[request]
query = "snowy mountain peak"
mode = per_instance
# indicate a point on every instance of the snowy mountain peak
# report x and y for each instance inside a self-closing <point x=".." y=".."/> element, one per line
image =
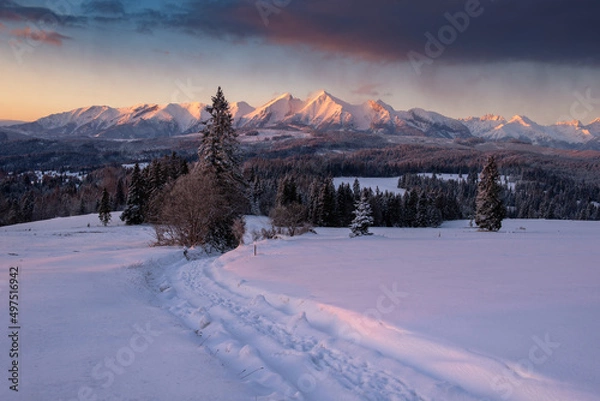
<point x="380" y="106"/>
<point x="240" y="109"/>
<point x="326" y="100"/>
<point x="323" y="111"/>
<point x="285" y="96"/>
<point x="492" y="117"/>
<point x="573" y="123"/>
<point x="320" y="93"/>
<point x="273" y="112"/>
<point x="522" y="120"/>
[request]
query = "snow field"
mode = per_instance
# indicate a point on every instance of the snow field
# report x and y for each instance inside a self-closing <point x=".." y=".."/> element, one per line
<point x="406" y="314"/>
<point x="90" y="327"/>
<point x="384" y="184"/>
<point x="512" y="314"/>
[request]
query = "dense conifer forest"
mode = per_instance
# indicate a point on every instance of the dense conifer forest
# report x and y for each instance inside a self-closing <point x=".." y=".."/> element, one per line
<point x="560" y="185"/>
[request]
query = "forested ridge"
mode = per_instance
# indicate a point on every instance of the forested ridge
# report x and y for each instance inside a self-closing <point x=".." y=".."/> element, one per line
<point x="559" y="185"/>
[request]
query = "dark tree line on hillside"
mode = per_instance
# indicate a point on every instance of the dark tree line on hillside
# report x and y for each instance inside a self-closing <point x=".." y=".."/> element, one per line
<point x="403" y="159"/>
<point x="427" y="201"/>
<point x="25" y="197"/>
<point x="320" y="203"/>
<point x="536" y="194"/>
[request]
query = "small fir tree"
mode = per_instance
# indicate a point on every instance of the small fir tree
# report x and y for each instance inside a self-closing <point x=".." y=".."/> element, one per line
<point x="120" y="197"/>
<point x="104" y="208"/>
<point x="490" y="210"/>
<point x="363" y="218"/>
<point x="135" y="210"/>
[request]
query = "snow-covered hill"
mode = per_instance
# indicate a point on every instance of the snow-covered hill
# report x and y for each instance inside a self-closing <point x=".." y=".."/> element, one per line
<point x="295" y="117"/>
<point x="407" y="314"/>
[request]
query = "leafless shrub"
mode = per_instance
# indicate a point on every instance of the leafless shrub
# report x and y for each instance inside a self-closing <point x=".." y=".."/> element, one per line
<point x="292" y="218"/>
<point x="190" y="211"/>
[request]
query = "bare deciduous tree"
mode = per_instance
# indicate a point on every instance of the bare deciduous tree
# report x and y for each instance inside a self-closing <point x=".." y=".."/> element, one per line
<point x="192" y="211"/>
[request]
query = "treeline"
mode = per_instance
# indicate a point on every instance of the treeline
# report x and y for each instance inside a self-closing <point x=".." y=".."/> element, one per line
<point x="300" y="186"/>
<point x="427" y="201"/>
<point x="322" y="204"/>
<point x="540" y="194"/>
<point x="403" y="159"/>
<point x="26" y="197"/>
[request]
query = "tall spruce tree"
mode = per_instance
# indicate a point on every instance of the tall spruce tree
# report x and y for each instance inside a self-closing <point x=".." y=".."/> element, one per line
<point x="363" y="218"/>
<point x="219" y="149"/>
<point x="120" y="197"/>
<point x="220" y="162"/>
<point x="489" y="207"/>
<point x="135" y="209"/>
<point x="104" y="208"/>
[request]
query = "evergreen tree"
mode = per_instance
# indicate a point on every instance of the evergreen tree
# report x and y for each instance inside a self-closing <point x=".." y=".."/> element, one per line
<point x="289" y="212"/>
<point x="345" y="203"/>
<point x="356" y="189"/>
<point x="135" y="210"/>
<point x="120" y="197"/>
<point x="490" y="210"/>
<point x="314" y="204"/>
<point x="220" y="162"/>
<point x="326" y="206"/>
<point x="363" y="218"/>
<point x="28" y="202"/>
<point x="411" y="200"/>
<point x="287" y="192"/>
<point x="219" y="149"/>
<point x="81" y="209"/>
<point x="104" y="208"/>
<point x="422" y="216"/>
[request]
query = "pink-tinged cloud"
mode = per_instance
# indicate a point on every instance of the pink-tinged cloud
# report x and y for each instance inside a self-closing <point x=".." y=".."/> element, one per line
<point x="47" y="37"/>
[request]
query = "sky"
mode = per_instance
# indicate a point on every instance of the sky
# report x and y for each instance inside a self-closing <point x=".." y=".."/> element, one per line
<point x="539" y="58"/>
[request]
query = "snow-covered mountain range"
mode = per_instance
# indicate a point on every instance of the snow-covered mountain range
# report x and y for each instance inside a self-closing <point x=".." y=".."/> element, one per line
<point x="521" y="128"/>
<point x="320" y="112"/>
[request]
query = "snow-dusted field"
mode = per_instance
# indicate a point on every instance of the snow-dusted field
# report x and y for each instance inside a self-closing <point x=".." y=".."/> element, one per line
<point x="384" y="184"/>
<point x="406" y="314"/>
<point x="90" y="327"/>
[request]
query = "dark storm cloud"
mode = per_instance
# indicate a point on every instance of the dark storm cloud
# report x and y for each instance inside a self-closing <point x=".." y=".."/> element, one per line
<point x="498" y="30"/>
<point x="563" y="31"/>
<point x="13" y="11"/>
<point x="104" y="7"/>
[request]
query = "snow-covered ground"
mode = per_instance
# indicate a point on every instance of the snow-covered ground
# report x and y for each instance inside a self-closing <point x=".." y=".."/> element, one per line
<point x="90" y="327"/>
<point x="407" y="314"/>
<point x="504" y="179"/>
<point x="389" y="184"/>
